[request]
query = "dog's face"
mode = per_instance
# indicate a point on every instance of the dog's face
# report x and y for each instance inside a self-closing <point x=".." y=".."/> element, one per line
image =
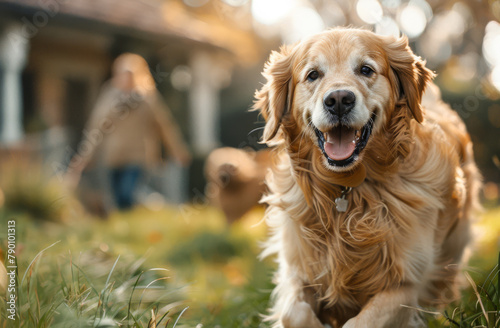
<point x="340" y="88"/>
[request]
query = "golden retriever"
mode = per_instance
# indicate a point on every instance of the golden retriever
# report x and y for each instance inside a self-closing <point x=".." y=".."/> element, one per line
<point x="372" y="194"/>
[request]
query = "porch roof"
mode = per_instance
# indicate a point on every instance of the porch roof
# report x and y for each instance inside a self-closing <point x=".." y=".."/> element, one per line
<point x="155" y="18"/>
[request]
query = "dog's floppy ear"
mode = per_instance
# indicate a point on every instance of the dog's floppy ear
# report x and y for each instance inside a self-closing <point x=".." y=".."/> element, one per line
<point x="409" y="72"/>
<point x="273" y="100"/>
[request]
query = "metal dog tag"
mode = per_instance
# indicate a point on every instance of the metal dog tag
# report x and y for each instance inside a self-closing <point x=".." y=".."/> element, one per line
<point x="341" y="203"/>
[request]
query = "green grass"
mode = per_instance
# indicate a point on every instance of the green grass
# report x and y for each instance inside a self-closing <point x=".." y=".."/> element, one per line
<point x="102" y="273"/>
<point x="91" y="289"/>
<point x="24" y="188"/>
<point x="483" y="309"/>
<point x="213" y="268"/>
<point x="479" y="305"/>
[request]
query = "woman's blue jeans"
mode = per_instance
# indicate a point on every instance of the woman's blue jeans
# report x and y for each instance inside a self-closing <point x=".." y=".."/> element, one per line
<point x="124" y="181"/>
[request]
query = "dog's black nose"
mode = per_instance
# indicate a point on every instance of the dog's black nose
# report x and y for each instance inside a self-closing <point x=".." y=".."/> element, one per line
<point x="339" y="102"/>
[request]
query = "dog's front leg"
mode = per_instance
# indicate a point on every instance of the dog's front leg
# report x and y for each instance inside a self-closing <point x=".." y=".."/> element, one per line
<point x="301" y="315"/>
<point x="389" y="309"/>
<point x="298" y="311"/>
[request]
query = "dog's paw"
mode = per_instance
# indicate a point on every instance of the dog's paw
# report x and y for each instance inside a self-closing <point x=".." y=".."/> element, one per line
<point x="353" y="323"/>
<point x="301" y="315"/>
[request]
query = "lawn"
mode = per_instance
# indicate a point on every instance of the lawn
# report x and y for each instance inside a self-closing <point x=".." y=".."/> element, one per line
<point x="213" y="272"/>
<point x="181" y="266"/>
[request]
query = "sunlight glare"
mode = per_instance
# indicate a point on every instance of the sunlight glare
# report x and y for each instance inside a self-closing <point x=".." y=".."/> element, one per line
<point x="387" y="26"/>
<point x="491" y="44"/>
<point x="391" y="3"/>
<point x="369" y="11"/>
<point x="424" y="6"/>
<point x="304" y="21"/>
<point x="412" y="20"/>
<point x="235" y="3"/>
<point x="495" y="77"/>
<point x="269" y="12"/>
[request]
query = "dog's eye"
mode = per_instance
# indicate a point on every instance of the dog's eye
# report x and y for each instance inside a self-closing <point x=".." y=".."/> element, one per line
<point x="312" y="76"/>
<point x="366" y="71"/>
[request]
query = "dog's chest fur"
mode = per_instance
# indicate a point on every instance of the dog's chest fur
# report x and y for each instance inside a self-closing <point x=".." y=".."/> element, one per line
<point x="342" y="259"/>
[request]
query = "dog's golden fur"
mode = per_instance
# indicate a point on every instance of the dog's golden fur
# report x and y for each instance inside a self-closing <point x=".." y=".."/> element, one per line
<point x="403" y="236"/>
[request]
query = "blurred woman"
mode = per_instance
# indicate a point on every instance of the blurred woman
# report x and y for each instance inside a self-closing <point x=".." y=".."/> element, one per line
<point x="127" y="126"/>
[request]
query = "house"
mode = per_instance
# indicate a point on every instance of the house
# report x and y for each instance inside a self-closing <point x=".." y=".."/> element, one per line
<point x="55" y="55"/>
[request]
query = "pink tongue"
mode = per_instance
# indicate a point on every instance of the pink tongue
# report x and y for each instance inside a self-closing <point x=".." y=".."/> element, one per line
<point x="340" y="143"/>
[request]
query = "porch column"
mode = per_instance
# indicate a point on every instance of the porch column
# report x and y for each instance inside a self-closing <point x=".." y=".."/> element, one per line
<point x="13" y="54"/>
<point x="204" y="103"/>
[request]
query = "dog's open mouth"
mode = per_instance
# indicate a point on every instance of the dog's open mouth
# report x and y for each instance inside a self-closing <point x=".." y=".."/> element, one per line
<point x="342" y="144"/>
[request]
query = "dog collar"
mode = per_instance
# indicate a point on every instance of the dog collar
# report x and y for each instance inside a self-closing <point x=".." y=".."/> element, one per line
<point x="349" y="179"/>
<point x="341" y="203"/>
